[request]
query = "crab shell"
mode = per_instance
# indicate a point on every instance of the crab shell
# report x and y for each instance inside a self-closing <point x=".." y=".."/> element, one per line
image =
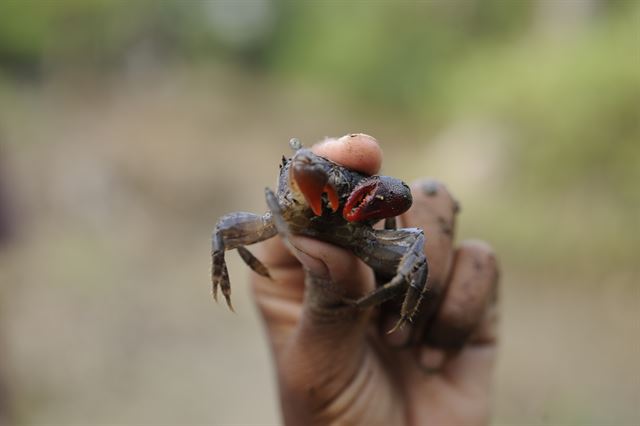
<point x="357" y="197"/>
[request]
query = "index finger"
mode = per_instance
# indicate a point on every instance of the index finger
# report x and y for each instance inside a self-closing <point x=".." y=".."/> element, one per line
<point x="355" y="151"/>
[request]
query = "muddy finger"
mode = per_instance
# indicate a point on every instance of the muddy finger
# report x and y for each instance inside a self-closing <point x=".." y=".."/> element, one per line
<point x="470" y="296"/>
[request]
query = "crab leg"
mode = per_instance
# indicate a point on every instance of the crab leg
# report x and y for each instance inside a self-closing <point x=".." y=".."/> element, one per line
<point x="253" y="262"/>
<point x="390" y="223"/>
<point x="416" y="269"/>
<point x="412" y="274"/>
<point x="234" y="231"/>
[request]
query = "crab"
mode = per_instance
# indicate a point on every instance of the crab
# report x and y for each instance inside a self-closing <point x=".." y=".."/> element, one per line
<point x="326" y="201"/>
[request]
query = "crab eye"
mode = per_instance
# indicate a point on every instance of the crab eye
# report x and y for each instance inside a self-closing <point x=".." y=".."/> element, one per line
<point x="377" y="197"/>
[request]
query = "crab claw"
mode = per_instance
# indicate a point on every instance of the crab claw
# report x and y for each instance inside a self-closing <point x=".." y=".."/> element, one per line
<point x="312" y="180"/>
<point x="377" y="197"/>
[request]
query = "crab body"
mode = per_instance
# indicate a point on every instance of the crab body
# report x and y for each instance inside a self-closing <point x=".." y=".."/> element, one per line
<point x="321" y="199"/>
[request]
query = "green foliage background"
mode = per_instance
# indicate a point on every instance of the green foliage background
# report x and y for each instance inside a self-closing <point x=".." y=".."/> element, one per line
<point x="575" y="101"/>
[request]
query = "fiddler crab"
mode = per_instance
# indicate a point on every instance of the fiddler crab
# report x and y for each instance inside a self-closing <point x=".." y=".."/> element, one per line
<point x="323" y="200"/>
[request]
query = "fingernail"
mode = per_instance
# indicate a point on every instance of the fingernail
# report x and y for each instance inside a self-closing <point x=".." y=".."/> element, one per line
<point x="398" y="338"/>
<point x="312" y="264"/>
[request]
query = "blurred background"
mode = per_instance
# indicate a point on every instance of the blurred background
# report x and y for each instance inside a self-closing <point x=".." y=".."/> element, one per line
<point x="127" y="128"/>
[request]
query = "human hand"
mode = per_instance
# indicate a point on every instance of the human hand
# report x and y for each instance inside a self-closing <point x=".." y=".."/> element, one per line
<point x="338" y="365"/>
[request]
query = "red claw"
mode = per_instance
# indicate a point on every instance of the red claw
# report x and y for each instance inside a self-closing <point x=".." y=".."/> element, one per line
<point x="377" y="197"/>
<point x="312" y="181"/>
<point x="334" y="200"/>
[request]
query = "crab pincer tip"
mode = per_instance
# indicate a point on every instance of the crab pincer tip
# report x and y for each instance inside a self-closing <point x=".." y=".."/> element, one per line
<point x="312" y="180"/>
<point x="332" y="194"/>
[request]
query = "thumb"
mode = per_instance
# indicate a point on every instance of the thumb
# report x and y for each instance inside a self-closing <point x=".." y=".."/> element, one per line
<point x="332" y="274"/>
<point x="330" y="337"/>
